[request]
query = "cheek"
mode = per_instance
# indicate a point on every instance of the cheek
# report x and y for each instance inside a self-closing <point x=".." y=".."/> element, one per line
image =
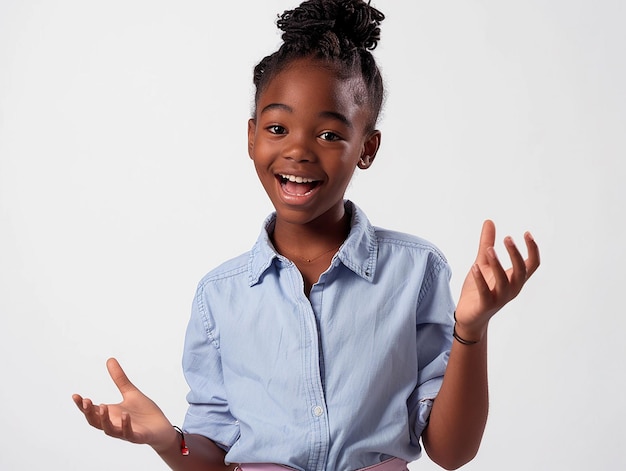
<point x="258" y="154"/>
<point x="263" y="149"/>
<point x="344" y="173"/>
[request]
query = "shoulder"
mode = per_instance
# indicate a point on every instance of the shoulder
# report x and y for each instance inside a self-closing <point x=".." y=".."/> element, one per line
<point x="389" y="242"/>
<point x="412" y="261"/>
<point x="229" y="270"/>
<point x="409" y="243"/>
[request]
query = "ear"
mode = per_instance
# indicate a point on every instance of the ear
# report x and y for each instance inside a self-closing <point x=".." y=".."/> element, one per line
<point x="251" y="133"/>
<point x="370" y="148"/>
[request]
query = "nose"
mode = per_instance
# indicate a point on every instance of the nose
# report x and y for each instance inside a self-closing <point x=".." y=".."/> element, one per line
<point x="299" y="148"/>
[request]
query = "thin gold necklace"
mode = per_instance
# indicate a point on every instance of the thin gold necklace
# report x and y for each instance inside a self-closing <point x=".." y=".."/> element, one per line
<point x="311" y="260"/>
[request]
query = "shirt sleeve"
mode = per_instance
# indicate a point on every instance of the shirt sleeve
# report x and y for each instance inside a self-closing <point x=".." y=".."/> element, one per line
<point x="434" y="324"/>
<point x="208" y="413"/>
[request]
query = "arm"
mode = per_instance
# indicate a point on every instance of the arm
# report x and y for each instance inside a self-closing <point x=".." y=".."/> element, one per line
<point x="138" y="419"/>
<point x="459" y="414"/>
<point x="205" y="455"/>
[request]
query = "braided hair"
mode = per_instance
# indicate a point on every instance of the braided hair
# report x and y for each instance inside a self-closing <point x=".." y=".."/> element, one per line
<point x="339" y="32"/>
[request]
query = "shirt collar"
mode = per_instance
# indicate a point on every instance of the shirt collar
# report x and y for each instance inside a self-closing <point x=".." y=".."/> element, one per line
<point x="358" y="252"/>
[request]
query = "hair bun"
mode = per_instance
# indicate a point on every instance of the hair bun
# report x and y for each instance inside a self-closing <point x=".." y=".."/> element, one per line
<point x="346" y="23"/>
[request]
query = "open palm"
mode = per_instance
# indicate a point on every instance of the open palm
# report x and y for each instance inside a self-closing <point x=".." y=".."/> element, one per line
<point x="136" y="419"/>
<point x="488" y="286"/>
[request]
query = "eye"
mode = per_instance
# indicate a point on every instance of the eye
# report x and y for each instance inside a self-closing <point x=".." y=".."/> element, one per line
<point x="276" y="129"/>
<point x="329" y="136"/>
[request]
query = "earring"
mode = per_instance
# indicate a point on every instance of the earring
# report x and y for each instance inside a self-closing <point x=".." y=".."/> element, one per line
<point x="364" y="160"/>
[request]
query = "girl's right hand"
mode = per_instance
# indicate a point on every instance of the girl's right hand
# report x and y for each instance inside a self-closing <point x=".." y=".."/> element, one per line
<point x="136" y="419"/>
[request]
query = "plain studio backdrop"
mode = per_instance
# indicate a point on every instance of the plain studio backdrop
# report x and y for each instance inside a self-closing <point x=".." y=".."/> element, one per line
<point x="124" y="178"/>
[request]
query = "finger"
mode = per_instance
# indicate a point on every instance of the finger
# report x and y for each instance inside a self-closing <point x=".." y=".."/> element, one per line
<point x="119" y="377"/>
<point x="107" y="425"/>
<point x="127" y="427"/>
<point x="487" y="239"/>
<point x="499" y="274"/>
<point x="91" y="412"/>
<point x="78" y="400"/>
<point x="534" y="259"/>
<point x="518" y="271"/>
<point x="83" y="404"/>
<point x="484" y="292"/>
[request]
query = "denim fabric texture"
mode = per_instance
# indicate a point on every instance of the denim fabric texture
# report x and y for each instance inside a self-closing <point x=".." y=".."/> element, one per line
<point x="341" y="380"/>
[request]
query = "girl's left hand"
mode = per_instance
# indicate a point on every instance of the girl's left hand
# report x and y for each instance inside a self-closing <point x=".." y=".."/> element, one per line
<point x="488" y="286"/>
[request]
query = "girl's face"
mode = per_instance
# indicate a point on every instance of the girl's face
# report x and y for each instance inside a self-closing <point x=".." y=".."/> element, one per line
<point x="307" y="138"/>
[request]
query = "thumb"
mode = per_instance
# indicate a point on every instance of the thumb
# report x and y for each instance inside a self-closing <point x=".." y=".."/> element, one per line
<point x="119" y="377"/>
<point x="487" y="240"/>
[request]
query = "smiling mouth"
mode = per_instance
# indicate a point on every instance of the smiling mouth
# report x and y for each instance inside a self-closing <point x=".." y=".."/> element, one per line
<point x="297" y="186"/>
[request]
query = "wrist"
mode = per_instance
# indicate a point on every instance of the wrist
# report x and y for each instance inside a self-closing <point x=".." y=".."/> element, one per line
<point x="468" y="335"/>
<point x="170" y="441"/>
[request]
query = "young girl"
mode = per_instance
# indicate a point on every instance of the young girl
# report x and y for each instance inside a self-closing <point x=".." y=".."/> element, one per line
<point x="332" y="344"/>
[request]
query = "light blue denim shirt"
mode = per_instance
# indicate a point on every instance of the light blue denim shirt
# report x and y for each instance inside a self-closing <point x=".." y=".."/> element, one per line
<point x="338" y="381"/>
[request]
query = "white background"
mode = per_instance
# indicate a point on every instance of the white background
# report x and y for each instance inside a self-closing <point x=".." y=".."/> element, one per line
<point x="124" y="178"/>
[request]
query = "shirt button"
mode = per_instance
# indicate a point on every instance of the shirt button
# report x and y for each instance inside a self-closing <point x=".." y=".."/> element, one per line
<point x="318" y="411"/>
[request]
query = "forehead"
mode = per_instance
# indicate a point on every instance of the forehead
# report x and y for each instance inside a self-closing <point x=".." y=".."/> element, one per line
<point x="314" y="84"/>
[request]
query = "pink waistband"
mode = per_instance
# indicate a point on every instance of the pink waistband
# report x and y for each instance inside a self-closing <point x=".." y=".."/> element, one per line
<point x="392" y="464"/>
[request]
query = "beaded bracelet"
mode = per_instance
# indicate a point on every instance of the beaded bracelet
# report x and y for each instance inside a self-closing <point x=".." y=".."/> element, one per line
<point x="183" y="447"/>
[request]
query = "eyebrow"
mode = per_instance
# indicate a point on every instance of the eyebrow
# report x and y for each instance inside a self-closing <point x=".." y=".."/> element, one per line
<point x="277" y="106"/>
<point x="323" y="114"/>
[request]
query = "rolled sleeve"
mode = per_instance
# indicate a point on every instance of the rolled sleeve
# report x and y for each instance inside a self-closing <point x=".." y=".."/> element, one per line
<point x="208" y="413"/>
<point x="435" y="318"/>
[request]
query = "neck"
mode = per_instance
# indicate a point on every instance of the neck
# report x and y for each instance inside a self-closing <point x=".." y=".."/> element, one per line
<point x="306" y="241"/>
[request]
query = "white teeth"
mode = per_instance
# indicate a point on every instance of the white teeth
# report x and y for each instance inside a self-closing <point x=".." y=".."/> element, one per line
<point x="293" y="178"/>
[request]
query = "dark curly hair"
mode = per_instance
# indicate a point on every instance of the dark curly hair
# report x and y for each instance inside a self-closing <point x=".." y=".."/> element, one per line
<point x="340" y="32"/>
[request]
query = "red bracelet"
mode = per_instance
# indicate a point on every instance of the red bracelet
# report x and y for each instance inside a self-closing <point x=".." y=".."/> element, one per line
<point x="183" y="447"/>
